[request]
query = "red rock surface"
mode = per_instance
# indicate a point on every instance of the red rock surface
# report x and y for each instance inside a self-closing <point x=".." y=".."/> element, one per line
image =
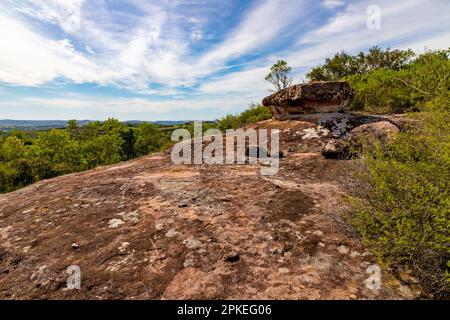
<point x="148" y="229"/>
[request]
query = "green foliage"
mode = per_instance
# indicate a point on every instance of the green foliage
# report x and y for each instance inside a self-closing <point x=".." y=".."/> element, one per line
<point x="408" y="89"/>
<point x="149" y="139"/>
<point x="280" y="75"/>
<point x="403" y="213"/>
<point x="28" y="157"/>
<point x="253" y="114"/>
<point x="402" y="198"/>
<point x="389" y="81"/>
<point x="343" y="64"/>
<point x="12" y="148"/>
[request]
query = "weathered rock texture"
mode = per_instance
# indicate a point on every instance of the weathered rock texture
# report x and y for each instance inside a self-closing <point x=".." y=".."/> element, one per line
<point x="149" y="229"/>
<point x="314" y="97"/>
<point x="381" y="130"/>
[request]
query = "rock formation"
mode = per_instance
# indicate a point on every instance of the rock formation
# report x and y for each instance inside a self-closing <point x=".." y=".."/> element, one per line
<point x="150" y="229"/>
<point x="314" y="97"/>
<point x="380" y="130"/>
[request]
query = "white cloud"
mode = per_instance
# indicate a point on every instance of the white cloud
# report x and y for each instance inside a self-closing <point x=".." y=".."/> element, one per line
<point x="402" y="23"/>
<point x="127" y="108"/>
<point x="249" y="81"/>
<point x="153" y="47"/>
<point x="331" y="4"/>
<point x="259" y="28"/>
<point x="65" y="13"/>
<point x="29" y="59"/>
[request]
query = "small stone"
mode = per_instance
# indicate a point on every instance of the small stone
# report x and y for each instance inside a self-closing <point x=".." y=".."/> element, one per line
<point x="192" y="243"/>
<point x="343" y="249"/>
<point x="354" y="254"/>
<point x="283" y="270"/>
<point x="172" y="233"/>
<point x="159" y="226"/>
<point x="123" y="247"/>
<point x="183" y="205"/>
<point x="318" y="233"/>
<point x="26" y="249"/>
<point x="132" y="217"/>
<point x="231" y="257"/>
<point x="115" y="223"/>
<point x="188" y="263"/>
<point x="75" y="245"/>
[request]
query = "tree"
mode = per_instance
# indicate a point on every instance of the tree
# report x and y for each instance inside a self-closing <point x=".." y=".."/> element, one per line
<point x="280" y="75"/>
<point x="13" y="148"/>
<point x="343" y="64"/>
<point x="72" y="126"/>
<point x="149" y="138"/>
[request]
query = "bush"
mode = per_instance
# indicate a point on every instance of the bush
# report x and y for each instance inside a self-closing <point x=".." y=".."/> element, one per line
<point x="149" y="138"/>
<point x="409" y="89"/>
<point x="389" y="81"/>
<point x="254" y="113"/>
<point x="402" y="199"/>
<point x="343" y="64"/>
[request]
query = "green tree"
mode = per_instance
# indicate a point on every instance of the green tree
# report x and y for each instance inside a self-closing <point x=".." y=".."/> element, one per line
<point x="344" y="64"/>
<point x="280" y="75"/>
<point x="149" y="138"/>
<point x="12" y="148"/>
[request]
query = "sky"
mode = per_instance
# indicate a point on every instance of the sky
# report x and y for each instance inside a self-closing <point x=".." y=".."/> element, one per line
<point x="185" y="59"/>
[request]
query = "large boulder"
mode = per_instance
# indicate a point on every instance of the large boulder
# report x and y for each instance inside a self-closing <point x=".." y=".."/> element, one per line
<point x="314" y="97"/>
<point x="351" y="145"/>
<point x="382" y="131"/>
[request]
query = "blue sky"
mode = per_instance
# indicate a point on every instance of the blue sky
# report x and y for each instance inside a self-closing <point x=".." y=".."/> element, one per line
<point x="186" y="59"/>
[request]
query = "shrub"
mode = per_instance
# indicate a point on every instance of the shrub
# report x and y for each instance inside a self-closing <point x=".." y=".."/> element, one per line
<point x="254" y="113"/>
<point x="402" y="198"/>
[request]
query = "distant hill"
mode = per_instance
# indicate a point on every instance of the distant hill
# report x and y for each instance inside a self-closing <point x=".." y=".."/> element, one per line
<point x="8" y="125"/>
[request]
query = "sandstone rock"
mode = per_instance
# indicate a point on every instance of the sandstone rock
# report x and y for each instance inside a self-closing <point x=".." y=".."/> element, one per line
<point x="192" y="243"/>
<point x="315" y="97"/>
<point x="283" y="270"/>
<point x="381" y="130"/>
<point x="115" y="223"/>
<point x="336" y="149"/>
<point x="343" y="249"/>
<point x="231" y="257"/>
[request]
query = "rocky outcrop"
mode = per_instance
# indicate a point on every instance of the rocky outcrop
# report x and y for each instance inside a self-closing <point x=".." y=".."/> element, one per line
<point x="352" y="137"/>
<point x="314" y="97"/>
<point x="150" y="229"/>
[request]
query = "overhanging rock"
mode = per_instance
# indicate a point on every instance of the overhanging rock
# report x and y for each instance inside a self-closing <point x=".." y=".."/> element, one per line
<point x="314" y="97"/>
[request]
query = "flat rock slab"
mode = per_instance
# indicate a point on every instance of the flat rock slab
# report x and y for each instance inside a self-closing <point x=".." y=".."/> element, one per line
<point x="149" y="229"/>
